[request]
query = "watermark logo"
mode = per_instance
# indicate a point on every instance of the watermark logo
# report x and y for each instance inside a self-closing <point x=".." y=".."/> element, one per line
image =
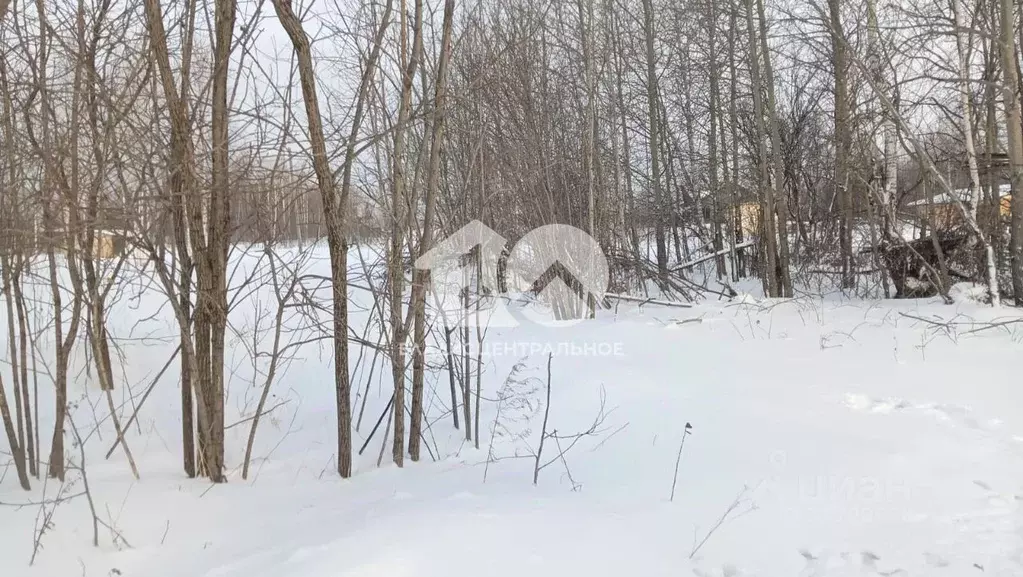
<point x="494" y="349"/>
<point x="562" y="264"/>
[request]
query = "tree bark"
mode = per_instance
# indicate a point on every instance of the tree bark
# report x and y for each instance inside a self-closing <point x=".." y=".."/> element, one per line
<point x="189" y="237"/>
<point x="843" y="142"/>
<point x="655" y="160"/>
<point x="767" y="221"/>
<point x="400" y="206"/>
<point x="1014" y="129"/>
<point x="12" y="439"/>
<point x="335" y="206"/>
<point x="422" y="277"/>
<point x="970" y="211"/>
<point x="777" y="188"/>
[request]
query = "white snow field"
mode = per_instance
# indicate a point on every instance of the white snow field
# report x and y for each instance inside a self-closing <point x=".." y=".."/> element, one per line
<point x="829" y="438"/>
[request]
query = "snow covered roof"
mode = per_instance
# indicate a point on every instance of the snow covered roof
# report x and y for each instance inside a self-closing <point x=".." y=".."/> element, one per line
<point x="963" y="193"/>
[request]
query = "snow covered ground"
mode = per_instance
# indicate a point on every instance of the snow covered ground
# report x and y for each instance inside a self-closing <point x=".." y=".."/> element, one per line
<point x="829" y="438"/>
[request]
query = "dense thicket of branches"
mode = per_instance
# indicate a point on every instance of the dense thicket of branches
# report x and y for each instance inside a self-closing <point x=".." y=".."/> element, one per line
<point x="812" y="145"/>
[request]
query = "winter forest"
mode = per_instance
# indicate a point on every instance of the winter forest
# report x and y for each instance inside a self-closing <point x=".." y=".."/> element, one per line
<point x="413" y="288"/>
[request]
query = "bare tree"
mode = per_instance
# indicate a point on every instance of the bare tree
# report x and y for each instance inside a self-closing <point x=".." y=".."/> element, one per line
<point x="420" y="276"/>
<point x="401" y="204"/>
<point x="184" y="189"/>
<point x="769" y="244"/>
<point x="777" y="189"/>
<point x="653" y="118"/>
<point x="335" y="205"/>
<point x="843" y="141"/>
<point x="1014" y="128"/>
<point x="12" y="438"/>
<point x="970" y="210"/>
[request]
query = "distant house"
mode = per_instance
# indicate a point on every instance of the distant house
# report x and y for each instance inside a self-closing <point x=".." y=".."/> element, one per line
<point x="942" y="213"/>
<point x="749" y="219"/>
<point x="108" y="244"/>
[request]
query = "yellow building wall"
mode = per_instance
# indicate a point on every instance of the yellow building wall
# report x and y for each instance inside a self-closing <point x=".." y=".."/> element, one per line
<point x="749" y="219"/>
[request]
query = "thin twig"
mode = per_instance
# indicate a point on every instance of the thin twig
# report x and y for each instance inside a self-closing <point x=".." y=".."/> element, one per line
<point x="546" y="415"/>
<point x="678" y="460"/>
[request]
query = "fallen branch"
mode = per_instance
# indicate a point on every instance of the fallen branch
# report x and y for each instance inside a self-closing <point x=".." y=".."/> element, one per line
<point x="704" y="259"/>
<point x="647" y="301"/>
<point x="993" y="325"/>
<point x="387" y="410"/>
<point x="260" y="414"/>
<point x="152" y="385"/>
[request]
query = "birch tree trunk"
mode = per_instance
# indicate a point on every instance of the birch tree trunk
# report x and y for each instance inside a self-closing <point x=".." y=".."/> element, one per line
<point x="875" y="61"/>
<point x="712" y="142"/>
<point x="993" y="218"/>
<point x="1014" y="129"/>
<point x="777" y="188"/>
<point x="970" y="209"/>
<point x="769" y="235"/>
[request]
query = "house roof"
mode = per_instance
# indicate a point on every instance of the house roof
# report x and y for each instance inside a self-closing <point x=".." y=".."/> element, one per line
<point x="964" y="194"/>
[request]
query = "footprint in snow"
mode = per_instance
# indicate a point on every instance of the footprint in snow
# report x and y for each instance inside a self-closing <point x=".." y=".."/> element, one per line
<point x="463" y="496"/>
<point x="883" y="406"/>
<point x="844" y="564"/>
<point x="936" y="561"/>
<point x="725" y="571"/>
<point x="951" y="413"/>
